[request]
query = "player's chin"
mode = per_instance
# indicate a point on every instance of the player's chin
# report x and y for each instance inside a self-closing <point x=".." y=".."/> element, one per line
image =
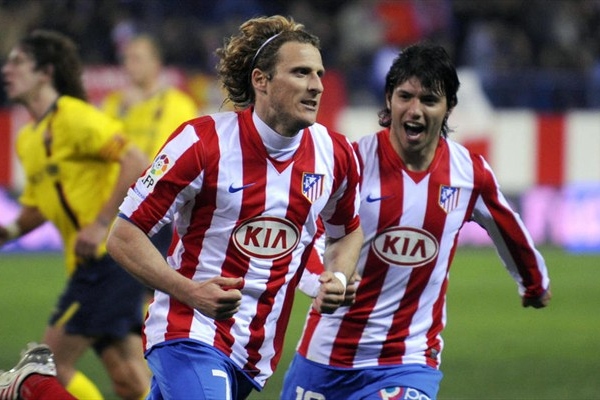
<point x="308" y="115"/>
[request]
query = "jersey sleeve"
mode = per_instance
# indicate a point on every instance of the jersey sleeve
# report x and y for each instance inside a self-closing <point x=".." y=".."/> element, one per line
<point x="93" y="132"/>
<point x="112" y="104"/>
<point x="173" y="179"/>
<point x="510" y="236"/>
<point x="309" y="282"/>
<point x="340" y="216"/>
<point x="26" y="197"/>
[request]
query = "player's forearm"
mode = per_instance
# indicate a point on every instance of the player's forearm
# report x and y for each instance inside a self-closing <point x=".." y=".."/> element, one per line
<point x="342" y="254"/>
<point x="28" y="219"/>
<point x="514" y="245"/>
<point x="133" y="164"/>
<point x="133" y="250"/>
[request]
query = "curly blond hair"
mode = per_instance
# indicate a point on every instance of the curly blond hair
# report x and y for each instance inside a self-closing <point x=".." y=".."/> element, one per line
<point x="256" y="46"/>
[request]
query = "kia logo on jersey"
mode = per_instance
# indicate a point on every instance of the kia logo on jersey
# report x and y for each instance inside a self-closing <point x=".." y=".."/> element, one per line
<point x="266" y="237"/>
<point x="405" y="246"/>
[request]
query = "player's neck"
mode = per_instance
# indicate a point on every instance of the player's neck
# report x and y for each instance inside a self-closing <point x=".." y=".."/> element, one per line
<point x="42" y="103"/>
<point x="150" y="88"/>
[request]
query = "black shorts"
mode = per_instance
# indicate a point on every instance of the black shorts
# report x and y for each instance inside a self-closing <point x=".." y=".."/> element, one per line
<point x="101" y="301"/>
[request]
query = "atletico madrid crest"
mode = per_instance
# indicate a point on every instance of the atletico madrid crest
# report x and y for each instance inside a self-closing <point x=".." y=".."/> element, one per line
<point x="312" y="186"/>
<point x="449" y="197"/>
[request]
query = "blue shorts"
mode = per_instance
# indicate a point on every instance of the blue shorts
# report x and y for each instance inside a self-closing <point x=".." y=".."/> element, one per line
<point x="187" y="369"/>
<point x="101" y="301"/>
<point x="306" y="379"/>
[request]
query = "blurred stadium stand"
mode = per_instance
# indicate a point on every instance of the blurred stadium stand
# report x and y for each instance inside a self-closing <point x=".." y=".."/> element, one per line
<point x="538" y="54"/>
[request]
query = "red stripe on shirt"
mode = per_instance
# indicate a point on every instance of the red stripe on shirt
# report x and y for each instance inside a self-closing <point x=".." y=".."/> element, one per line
<point x="180" y="315"/>
<point x="526" y="263"/>
<point x="351" y="329"/>
<point x="395" y="345"/>
<point x="253" y="200"/>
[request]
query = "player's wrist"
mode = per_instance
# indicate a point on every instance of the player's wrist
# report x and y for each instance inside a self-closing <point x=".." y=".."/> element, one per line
<point x="13" y="231"/>
<point x="342" y="277"/>
<point x="103" y="221"/>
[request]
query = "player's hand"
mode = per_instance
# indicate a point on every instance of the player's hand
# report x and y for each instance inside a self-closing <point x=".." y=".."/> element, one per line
<point x="538" y="302"/>
<point x="89" y="239"/>
<point x="217" y="298"/>
<point x="3" y="235"/>
<point x="331" y="294"/>
<point x="350" y="295"/>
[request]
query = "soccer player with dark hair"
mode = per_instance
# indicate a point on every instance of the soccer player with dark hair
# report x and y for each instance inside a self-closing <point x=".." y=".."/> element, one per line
<point x="77" y="167"/>
<point x="148" y="106"/>
<point x="418" y="189"/>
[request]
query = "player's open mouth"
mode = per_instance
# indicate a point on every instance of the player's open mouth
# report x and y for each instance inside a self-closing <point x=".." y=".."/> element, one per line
<point x="413" y="129"/>
<point x="310" y="103"/>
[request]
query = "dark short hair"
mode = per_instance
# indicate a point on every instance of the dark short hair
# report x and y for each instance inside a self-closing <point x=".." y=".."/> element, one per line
<point x="432" y="66"/>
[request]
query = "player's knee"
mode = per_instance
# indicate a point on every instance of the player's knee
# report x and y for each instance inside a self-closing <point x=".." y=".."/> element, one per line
<point x="131" y="389"/>
<point x="131" y="382"/>
<point x="65" y="373"/>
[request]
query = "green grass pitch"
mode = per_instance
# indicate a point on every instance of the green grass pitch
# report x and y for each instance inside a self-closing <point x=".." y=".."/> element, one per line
<point x="494" y="348"/>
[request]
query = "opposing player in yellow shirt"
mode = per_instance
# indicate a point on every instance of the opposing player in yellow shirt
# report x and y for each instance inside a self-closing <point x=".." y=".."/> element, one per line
<point x="149" y="108"/>
<point x="78" y="167"/>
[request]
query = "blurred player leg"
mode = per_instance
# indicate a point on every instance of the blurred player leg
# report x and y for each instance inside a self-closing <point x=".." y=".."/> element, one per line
<point x="68" y="349"/>
<point x="33" y="378"/>
<point x="127" y="367"/>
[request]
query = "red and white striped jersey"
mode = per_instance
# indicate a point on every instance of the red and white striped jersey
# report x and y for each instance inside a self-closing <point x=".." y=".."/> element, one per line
<point x="411" y="223"/>
<point x="240" y="213"/>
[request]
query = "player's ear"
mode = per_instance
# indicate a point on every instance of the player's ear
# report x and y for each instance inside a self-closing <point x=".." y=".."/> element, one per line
<point x="259" y="79"/>
<point x="48" y="70"/>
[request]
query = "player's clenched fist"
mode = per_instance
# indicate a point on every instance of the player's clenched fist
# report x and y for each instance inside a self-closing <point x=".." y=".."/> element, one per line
<point x="331" y="293"/>
<point x="537" y="302"/>
<point x="350" y="295"/>
<point x="218" y="297"/>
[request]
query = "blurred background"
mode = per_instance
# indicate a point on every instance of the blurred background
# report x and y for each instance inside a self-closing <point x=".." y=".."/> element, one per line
<point x="529" y="102"/>
<point x="539" y="54"/>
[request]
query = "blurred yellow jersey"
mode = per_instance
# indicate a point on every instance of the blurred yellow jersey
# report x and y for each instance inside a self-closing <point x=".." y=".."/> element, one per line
<point x="150" y="122"/>
<point x="70" y="159"/>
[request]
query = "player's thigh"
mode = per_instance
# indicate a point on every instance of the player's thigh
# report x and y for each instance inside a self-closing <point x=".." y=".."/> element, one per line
<point x="180" y="372"/>
<point x="308" y="380"/>
<point x="124" y="361"/>
<point x="67" y="348"/>
<point x="126" y="350"/>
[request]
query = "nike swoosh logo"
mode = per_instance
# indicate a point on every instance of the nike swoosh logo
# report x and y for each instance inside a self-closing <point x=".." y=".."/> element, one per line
<point x="234" y="189"/>
<point x="374" y="199"/>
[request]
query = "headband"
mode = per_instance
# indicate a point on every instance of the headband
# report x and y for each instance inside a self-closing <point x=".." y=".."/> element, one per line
<point x="262" y="46"/>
